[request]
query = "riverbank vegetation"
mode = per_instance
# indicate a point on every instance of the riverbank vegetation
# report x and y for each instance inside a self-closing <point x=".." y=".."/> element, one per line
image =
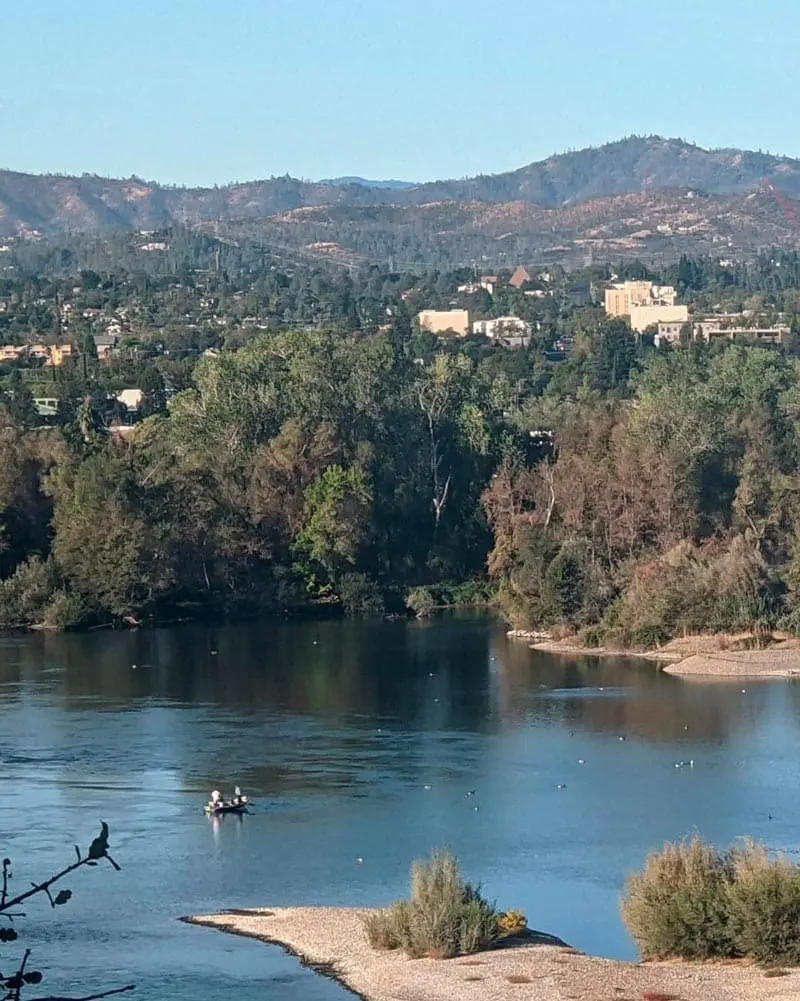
<point x="443" y="917"/>
<point x="330" y="456"/>
<point x="694" y="902"/>
<point x="669" y="506"/>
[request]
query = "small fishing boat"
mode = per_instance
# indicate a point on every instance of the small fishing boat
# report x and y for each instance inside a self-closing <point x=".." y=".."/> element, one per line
<point x="217" y="805"/>
<point x="215" y="809"/>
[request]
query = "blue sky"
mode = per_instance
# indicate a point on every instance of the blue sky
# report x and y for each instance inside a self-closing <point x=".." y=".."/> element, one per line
<point x="186" y="91"/>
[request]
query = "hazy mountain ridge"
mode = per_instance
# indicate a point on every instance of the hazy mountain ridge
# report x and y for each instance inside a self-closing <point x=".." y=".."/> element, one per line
<point x="395" y="220"/>
<point x="389" y="185"/>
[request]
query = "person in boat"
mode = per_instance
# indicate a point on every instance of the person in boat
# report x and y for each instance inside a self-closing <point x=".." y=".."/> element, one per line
<point x="238" y="799"/>
<point x="216" y="800"/>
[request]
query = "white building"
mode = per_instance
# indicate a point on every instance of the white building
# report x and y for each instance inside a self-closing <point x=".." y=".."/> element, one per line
<point x="510" y="331"/>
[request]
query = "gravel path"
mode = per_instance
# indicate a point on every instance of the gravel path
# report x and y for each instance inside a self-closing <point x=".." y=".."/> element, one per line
<point x="333" y="940"/>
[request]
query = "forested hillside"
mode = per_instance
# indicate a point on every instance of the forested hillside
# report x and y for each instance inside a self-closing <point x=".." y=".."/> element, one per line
<point x="654" y="196"/>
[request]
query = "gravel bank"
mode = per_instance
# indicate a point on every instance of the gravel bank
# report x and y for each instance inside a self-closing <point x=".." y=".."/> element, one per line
<point x="773" y="663"/>
<point x="333" y="941"/>
<point x="704" y="656"/>
<point x="569" y="648"/>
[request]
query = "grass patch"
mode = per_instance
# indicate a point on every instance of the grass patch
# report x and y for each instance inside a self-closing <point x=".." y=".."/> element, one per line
<point x="694" y="902"/>
<point x="518" y="978"/>
<point x="444" y="916"/>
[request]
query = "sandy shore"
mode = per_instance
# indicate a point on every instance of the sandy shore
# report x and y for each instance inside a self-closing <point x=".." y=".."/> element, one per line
<point x="332" y="941"/>
<point x="703" y="656"/>
<point x="568" y="648"/>
<point x="774" y="663"/>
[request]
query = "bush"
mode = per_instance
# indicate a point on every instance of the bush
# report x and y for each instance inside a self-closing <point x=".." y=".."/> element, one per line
<point x="444" y="917"/>
<point x="764" y="906"/>
<point x="678" y="906"/>
<point x="421" y="602"/>
<point x="592" y="637"/>
<point x="65" y="611"/>
<point x="692" y="589"/>
<point x="694" y="902"/>
<point x="360" y="596"/>
<point x="26" y="593"/>
<point x="648" y="637"/>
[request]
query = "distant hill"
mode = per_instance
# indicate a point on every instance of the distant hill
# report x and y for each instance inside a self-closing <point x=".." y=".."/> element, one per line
<point x="589" y="199"/>
<point x="343" y="182"/>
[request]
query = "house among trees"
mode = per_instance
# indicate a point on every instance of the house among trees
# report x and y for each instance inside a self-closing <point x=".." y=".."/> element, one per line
<point x="105" y="345"/>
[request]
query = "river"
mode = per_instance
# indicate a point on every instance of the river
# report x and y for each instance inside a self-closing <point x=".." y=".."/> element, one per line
<point x="360" y="745"/>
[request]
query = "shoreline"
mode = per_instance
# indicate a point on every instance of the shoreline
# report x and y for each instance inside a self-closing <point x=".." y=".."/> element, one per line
<point x="331" y="942"/>
<point x="713" y="656"/>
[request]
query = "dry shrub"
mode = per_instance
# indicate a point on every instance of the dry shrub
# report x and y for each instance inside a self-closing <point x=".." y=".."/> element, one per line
<point x="677" y="906"/>
<point x="764" y="906"/>
<point x="690" y="590"/>
<point x="693" y="902"/>
<point x="444" y="916"/>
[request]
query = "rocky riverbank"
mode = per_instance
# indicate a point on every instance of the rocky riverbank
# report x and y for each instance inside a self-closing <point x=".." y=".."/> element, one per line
<point x="332" y="941"/>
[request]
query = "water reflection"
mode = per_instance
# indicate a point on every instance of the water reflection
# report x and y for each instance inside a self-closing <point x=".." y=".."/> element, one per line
<point x="454" y="676"/>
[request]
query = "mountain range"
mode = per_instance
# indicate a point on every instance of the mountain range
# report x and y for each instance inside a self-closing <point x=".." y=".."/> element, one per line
<point x="636" y="196"/>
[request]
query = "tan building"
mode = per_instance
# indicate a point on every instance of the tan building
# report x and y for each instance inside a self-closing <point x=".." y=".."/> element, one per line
<point x="445" y="321"/>
<point x="621" y="298"/>
<point x="12" y="352"/>
<point x="642" y="317"/>
<point x="58" y="355"/>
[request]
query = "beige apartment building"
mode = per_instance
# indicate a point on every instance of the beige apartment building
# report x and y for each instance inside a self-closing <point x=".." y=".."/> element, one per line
<point x="642" y="317"/>
<point x="621" y="297"/>
<point x="644" y="304"/>
<point x="445" y="321"/>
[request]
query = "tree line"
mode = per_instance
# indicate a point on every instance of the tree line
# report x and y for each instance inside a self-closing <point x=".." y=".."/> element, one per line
<point x="619" y="488"/>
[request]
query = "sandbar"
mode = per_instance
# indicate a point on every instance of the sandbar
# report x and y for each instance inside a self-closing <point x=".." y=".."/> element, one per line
<point x="332" y="941"/>
<point x="713" y="656"/>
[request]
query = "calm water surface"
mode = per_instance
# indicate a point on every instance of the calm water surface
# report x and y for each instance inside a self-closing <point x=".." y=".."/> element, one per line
<point x="356" y="741"/>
